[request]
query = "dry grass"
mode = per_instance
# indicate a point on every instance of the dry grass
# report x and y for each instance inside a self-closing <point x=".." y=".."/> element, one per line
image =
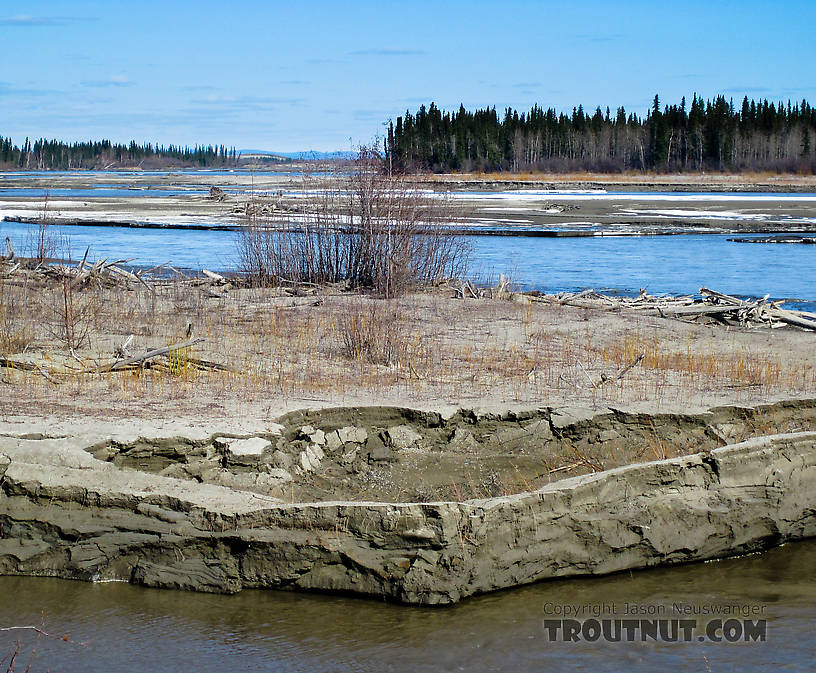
<point x="16" y="333"/>
<point x="425" y="347"/>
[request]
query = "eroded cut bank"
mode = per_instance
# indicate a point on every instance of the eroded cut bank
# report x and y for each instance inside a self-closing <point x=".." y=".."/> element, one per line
<point x="416" y="506"/>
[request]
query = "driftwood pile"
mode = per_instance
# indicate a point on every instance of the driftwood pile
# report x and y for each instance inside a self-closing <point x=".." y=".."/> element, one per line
<point x="178" y="356"/>
<point x="104" y="273"/>
<point x="101" y="273"/>
<point x="175" y="359"/>
<point x="710" y="306"/>
<point x="468" y="290"/>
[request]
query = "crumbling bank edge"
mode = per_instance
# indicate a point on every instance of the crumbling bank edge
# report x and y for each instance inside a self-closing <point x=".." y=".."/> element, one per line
<point x="68" y="522"/>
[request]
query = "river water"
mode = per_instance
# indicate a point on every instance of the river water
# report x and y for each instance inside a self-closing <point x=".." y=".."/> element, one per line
<point x="679" y="264"/>
<point x="115" y="628"/>
<point x="118" y="628"/>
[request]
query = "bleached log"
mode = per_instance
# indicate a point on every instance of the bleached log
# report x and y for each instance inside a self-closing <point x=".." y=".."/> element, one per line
<point x="736" y="301"/>
<point x="121" y="272"/>
<point x="139" y="359"/>
<point x="791" y="318"/>
<point x="214" y="277"/>
<point x="11" y="270"/>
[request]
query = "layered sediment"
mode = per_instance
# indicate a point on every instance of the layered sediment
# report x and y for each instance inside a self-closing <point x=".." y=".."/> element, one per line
<point x="222" y="513"/>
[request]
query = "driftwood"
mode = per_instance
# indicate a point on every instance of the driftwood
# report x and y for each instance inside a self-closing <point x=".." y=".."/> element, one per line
<point x="122" y="351"/>
<point x="623" y="372"/>
<point x="125" y="363"/>
<point x="720" y="297"/>
<point x="501" y="291"/>
<point x="107" y="273"/>
<point x="8" y="363"/>
<point x="792" y="318"/>
<point x="710" y="305"/>
<point x="215" y="277"/>
<point x="467" y="290"/>
<point x="685" y="311"/>
<point x="217" y="194"/>
<point x="199" y="363"/>
<point x="10" y="271"/>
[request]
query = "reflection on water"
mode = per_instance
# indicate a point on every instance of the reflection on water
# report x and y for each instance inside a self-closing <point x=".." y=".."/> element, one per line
<point x="127" y="628"/>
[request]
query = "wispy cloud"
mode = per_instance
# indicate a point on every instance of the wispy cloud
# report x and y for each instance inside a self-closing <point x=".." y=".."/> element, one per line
<point x="237" y="104"/>
<point x="387" y="52"/>
<point x="746" y="89"/>
<point x="293" y="82"/>
<point x="197" y="88"/>
<point x="7" y="89"/>
<point x="528" y="85"/>
<point x="27" y="21"/>
<point x="112" y="81"/>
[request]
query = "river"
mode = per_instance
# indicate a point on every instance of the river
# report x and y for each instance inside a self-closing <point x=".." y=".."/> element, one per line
<point x="678" y="264"/>
<point x="117" y="628"/>
<point x="114" y="628"/>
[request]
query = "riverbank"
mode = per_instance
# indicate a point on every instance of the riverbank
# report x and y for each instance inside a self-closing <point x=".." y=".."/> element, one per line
<point x="70" y="510"/>
<point x="193" y="432"/>
<point x="634" y="182"/>
<point x="274" y="350"/>
<point x="610" y="204"/>
<point x="424" y="448"/>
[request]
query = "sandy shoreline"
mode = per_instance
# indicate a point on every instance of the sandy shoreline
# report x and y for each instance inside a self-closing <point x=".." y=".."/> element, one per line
<point x="474" y="443"/>
<point x="285" y="351"/>
<point x="636" y="204"/>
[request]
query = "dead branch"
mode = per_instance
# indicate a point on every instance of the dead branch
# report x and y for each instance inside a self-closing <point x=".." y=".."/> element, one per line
<point x="124" y="363"/>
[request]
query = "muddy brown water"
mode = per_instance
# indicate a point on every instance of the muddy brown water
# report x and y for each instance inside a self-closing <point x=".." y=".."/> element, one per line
<point x="118" y="628"/>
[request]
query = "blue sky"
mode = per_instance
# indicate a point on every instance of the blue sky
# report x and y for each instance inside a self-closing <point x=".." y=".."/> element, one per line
<point x="325" y="75"/>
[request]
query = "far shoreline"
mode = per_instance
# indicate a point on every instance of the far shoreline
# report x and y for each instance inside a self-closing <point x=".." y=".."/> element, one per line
<point x="683" y="229"/>
<point x="638" y="182"/>
<point x="630" y="181"/>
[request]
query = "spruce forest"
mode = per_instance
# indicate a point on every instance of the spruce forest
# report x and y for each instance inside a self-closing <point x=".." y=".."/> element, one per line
<point x="704" y="136"/>
<point x="44" y="155"/>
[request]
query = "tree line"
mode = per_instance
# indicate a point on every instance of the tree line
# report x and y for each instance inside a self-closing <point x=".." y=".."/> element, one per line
<point x="705" y="135"/>
<point x="47" y="155"/>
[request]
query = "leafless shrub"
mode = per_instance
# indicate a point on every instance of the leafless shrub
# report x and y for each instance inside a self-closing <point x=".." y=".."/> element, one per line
<point x="16" y="331"/>
<point x="73" y="316"/>
<point x="41" y="240"/>
<point x="367" y="228"/>
<point x="373" y="332"/>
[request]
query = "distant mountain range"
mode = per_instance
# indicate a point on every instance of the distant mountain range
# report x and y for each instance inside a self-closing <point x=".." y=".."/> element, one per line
<point x="303" y="154"/>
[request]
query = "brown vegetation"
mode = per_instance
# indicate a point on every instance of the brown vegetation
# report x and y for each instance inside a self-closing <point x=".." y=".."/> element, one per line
<point x="366" y="229"/>
<point x="272" y="345"/>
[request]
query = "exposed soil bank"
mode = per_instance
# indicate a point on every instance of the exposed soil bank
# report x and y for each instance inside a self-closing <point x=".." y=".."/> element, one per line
<point x="74" y="506"/>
